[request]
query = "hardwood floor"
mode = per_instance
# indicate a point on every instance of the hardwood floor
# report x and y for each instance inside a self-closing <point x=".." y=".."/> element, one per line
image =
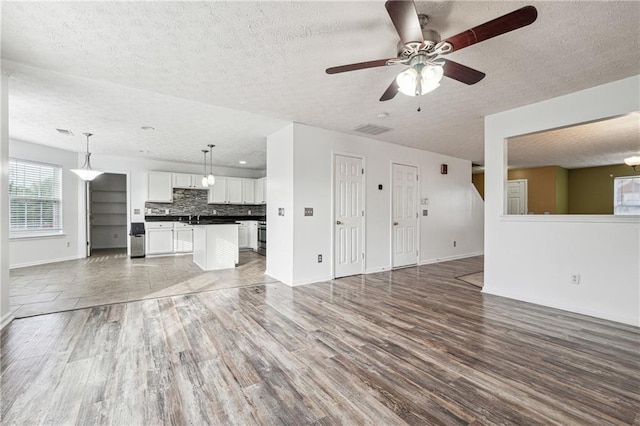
<point x="110" y="276"/>
<point x="412" y="346"/>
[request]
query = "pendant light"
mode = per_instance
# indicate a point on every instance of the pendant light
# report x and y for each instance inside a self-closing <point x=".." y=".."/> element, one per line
<point x="86" y="172"/>
<point x="205" y="181"/>
<point x="211" y="179"/>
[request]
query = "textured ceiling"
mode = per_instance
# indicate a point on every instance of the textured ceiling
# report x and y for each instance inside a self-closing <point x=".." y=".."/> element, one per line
<point x="230" y="73"/>
<point x="572" y="147"/>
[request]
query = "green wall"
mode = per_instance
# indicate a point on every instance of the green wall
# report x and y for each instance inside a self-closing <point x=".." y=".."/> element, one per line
<point x="591" y="188"/>
<point x="562" y="190"/>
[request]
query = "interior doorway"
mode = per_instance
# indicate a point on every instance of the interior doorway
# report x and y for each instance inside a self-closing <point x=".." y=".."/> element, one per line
<point x="404" y="230"/>
<point x="107" y="213"/>
<point x="517" y="196"/>
<point x="348" y="215"/>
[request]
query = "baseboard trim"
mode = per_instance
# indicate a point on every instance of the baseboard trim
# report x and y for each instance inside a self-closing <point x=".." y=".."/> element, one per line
<point x="564" y="307"/>
<point x="448" y="258"/>
<point x="44" y="262"/>
<point x="6" y="320"/>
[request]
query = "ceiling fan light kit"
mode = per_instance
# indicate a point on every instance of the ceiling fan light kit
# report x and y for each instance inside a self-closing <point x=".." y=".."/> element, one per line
<point x="421" y="49"/>
<point x="633" y="162"/>
<point x="86" y="173"/>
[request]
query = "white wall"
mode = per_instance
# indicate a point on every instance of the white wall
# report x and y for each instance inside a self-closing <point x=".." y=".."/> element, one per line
<point x="531" y="258"/>
<point x="37" y="250"/>
<point x="454" y="212"/>
<point x="280" y="195"/>
<point x="5" y="313"/>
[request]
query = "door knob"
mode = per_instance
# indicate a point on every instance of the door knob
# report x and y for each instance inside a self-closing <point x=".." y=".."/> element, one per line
<point x="338" y="222"/>
<point x="395" y="223"/>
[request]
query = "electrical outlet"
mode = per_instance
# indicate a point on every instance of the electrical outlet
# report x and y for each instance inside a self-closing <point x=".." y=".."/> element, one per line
<point x="68" y="244"/>
<point x="425" y="212"/>
<point x="575" y="279"/>
<point x="215" y="211"/>
<point x="115" y="235"/>
<point x="308" y="211"/>
<point x="249" y="213"/>
<point x="319" y="258"/>
<point x="454" y="243"/>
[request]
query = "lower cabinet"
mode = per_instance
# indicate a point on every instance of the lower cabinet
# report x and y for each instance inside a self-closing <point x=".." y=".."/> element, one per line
<point x="182" y="238"/>
<point x="243" y="235"/>
<point x="168" y="237"/>
<point x="253" y="234"/>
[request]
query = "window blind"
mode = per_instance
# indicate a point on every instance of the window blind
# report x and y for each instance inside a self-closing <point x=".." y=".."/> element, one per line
<point x="35" y="197"/>
<point x="626" y="199"/>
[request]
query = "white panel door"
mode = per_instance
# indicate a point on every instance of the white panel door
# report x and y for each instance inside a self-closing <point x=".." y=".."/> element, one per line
<point x="348" y="251"/>
<point x="517" y="196"/>
<point x="405" y="215"/>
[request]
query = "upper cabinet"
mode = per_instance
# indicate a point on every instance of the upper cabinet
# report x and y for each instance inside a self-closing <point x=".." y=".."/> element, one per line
<point x="218" y="192"/>
<point x="232" y="190"/>
<point x="160" y="187"/>
<point x="187" y="181"/>
<point x="260" y="191"/>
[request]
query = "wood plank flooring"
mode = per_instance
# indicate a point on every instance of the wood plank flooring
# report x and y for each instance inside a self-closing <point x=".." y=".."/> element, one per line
<point x="110" y="276"/>
<point x="413" y="346"/>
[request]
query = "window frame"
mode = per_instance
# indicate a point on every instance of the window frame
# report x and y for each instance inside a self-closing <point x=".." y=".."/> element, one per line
<point x="617" y="182"/>
<point x="57" y="210"/>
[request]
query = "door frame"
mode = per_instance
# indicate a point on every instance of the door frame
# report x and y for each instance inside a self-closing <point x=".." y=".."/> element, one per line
<point x="333" y="208"/>
<point x="526" y="196"/>
<point x="83" y="237"/>
<point x="418" y="228"/>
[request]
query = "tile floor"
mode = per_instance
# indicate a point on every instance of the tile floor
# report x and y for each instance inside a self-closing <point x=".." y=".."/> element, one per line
<point x="110" y="276"/>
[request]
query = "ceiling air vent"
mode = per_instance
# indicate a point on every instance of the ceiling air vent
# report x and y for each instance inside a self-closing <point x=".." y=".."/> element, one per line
<point x="65" y="132"/>
<point x="371" y="129"/>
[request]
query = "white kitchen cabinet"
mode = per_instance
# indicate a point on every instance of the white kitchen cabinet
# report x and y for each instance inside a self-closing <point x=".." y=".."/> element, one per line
<point x="218" y="193"/>
<point x="248" y="189"/>
<point x="260" y="191"/>
<point x="234" y="190"/>
<point x="160" y="187"/>
<point x="182" y="238"/>
<point x="187" y="181"/>
<point x="253" y="234"/>
<point x="159" y="236"/>
<point x="243" y="235"/>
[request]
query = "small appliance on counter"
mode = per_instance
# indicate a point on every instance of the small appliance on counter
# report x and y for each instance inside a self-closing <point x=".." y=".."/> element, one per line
<point x="136" y="236"/>
<point x="262" y="237"/>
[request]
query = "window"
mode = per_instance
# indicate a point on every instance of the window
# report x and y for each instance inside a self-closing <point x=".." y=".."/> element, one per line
<point x="35" y="198"/>
<point x="626" y="195"/>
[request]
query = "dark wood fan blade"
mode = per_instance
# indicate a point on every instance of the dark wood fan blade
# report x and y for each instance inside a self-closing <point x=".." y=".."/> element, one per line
<point x="358" y="66"/>
<point x="509" y="22"/>
<point x="405" y="18"/>
<point x="391" y="91"/>
<point x="461" y="72"/>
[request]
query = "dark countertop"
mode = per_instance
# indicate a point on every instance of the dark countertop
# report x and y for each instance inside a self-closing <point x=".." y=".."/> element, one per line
<point x="203" y="219"/>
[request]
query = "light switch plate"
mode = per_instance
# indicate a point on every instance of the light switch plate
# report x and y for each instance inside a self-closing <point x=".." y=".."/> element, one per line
<point x="308" y="211"/>
<point x="136" y="211"/>
<point x="425" y="212"/>
<point x="280" y="211"/>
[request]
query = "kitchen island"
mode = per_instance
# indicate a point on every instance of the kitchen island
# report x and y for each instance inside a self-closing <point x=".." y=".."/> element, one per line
<point x="215" y="245"/>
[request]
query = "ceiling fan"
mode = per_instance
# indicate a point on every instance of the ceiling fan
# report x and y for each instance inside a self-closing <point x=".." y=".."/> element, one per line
<point x="422" y="49"/>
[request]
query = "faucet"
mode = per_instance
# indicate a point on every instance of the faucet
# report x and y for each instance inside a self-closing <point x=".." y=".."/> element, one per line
<point x="198" y="218"/>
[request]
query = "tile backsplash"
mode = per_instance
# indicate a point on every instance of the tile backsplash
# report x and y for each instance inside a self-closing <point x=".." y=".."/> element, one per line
<point x="194" y="202"/>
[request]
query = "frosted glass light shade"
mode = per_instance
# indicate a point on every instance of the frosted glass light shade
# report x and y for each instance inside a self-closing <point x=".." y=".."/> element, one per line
<point x="211" y="179"/>
<point x="87" y="174"/>
<point x="632" y="161"/>
<point x="411" y="83"/>
<point x="205" y="181"/>
<point x="406" y="81"/>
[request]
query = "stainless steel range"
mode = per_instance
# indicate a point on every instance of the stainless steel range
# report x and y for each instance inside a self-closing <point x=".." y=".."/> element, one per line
<point x="262" y="238"/>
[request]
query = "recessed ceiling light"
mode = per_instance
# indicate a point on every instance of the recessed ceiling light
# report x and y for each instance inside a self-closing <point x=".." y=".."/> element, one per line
<point x="242" y="162"/>
<point x="147" y="128"/>
<point x="383" y="115"/>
